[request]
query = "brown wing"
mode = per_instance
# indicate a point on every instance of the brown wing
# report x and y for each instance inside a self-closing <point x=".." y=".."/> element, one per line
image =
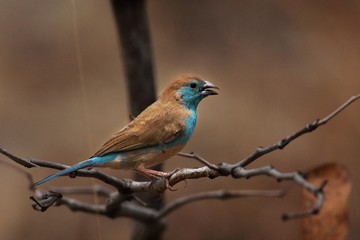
<point x="156" y="125"/>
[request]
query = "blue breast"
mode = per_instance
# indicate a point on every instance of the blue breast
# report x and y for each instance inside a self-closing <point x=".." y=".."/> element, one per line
<point x="190" y="123"/>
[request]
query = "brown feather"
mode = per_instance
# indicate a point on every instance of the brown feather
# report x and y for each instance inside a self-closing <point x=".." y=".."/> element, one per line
<point x="160" y="123"/>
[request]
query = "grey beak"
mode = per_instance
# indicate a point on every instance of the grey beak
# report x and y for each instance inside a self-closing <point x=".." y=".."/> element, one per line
<point x="206" y="91"/>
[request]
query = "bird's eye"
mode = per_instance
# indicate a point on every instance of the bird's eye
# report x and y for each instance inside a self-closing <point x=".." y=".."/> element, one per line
<point x="193" y="85"/>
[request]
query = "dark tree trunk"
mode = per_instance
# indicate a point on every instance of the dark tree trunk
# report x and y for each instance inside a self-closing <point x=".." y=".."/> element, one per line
<point x="133" y="29"/>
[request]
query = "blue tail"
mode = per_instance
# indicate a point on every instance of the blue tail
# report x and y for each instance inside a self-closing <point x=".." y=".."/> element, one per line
<point x="94" y="161"/>
<point x="87" y="163"/>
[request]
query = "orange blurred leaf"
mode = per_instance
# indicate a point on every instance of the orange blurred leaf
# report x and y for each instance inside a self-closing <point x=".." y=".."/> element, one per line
<point x="332" y="221"/>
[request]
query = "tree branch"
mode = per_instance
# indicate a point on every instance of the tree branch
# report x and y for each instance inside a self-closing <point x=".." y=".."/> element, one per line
<point x="16" y="159"/>
<point x="97" y="190"/>
<point x="221" y="195"/>
<point x="307" y="129"/>
<point x="118" y="204"/>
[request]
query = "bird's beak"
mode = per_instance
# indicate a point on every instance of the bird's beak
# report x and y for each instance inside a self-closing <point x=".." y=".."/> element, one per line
<point x="206" y="91"/>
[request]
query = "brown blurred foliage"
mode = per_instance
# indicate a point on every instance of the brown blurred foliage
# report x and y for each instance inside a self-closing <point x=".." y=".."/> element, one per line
<point x="279" y="65"/>
<point x="332" y="221"/>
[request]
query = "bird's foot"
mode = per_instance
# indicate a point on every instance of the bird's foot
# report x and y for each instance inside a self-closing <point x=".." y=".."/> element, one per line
<point x="169" y="187"/>
<point x="150" y="173"/>
<point x="169" y="174"/>
<point x="154" y="175"/>
<point x="161" y="185"/>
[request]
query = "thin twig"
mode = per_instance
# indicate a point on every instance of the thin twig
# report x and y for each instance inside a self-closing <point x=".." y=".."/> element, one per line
<point x="340" y="109"/>
<point x="80" y="206"/>
<point x="16" y="159"/>
<point x="260" y="151"/>
<point x="125" y="209"/>
<point x="297" y="177"/>
<point x="98" y="190"/>
<point x="198" y="158"/>
<point x="44" y="200"/>
<point x="319" y="194"/>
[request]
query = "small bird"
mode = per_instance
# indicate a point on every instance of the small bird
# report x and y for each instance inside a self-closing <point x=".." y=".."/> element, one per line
<point x="156" y="134"/>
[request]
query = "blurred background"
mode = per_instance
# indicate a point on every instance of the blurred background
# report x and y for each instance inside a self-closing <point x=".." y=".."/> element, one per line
<point x="279" y="66"/>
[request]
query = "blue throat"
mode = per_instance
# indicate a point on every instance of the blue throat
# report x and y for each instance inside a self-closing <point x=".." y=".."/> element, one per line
<point x="190" y="123"/>
<point x="190" y="99"/>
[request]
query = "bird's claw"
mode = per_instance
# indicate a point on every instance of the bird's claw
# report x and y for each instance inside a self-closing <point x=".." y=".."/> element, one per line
<point x="169" y="174"/>
<point x="163" y="181"/>
<point x="168" y="186"/>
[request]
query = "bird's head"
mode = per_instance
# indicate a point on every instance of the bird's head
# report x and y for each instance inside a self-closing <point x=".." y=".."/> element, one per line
<point x="190" y="90"/>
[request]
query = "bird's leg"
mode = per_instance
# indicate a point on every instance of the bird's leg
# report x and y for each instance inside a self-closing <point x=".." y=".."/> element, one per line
<point x="153" y="174"/>
<point x="150" y="173"/>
